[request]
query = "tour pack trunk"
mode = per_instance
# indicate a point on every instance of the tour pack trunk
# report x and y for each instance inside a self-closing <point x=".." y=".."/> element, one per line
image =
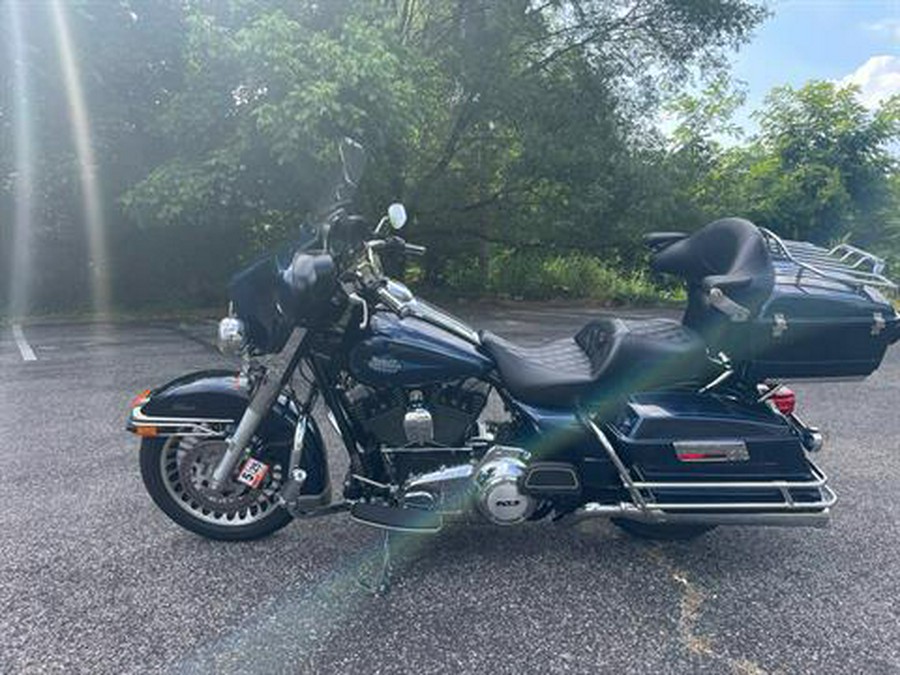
<point x="824" y="318"/>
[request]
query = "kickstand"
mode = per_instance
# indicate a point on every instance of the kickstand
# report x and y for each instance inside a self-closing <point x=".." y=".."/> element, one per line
<point x="380" y="583"/>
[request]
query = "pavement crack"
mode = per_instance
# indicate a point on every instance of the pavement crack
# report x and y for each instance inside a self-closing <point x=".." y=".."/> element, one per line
<point x="691" y="603"/>
<point x="691" y="600"/>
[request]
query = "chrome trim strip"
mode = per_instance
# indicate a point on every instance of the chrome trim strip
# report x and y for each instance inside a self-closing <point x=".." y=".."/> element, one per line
<point x="425" y="311"/>
<point x="823" y="380"/>
<point x="175" y="426"/>
<point x="138" y="417"/>
<point x="730" y="450"/>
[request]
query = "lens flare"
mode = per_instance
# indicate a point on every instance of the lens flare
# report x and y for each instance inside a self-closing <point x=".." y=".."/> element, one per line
<point x="20" y="262"/>
<point x="90" y="185"/>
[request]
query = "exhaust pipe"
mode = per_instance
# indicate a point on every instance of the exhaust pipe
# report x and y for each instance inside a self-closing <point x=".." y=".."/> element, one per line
<point x="628" y="511"/>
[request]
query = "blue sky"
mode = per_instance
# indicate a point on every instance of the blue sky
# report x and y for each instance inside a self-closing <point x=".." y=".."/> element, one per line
<point x="856" y="40"/>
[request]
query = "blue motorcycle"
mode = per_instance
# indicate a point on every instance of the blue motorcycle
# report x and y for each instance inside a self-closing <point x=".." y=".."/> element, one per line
<point x="667" y="428"/>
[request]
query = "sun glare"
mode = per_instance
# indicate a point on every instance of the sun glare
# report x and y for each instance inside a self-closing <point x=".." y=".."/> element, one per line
<point x="19" y="282"/>
<point x="90" y="186"/>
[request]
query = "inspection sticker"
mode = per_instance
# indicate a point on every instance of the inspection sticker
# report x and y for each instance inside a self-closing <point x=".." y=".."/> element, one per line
<point x="253" y="472"/>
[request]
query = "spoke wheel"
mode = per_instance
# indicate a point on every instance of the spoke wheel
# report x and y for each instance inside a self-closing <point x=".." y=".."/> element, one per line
<point x="187" y="468"/>
<point x="177" y="472"/>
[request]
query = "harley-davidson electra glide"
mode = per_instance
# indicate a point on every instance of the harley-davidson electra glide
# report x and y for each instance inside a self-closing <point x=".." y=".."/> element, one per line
<point x="669" y="429"/>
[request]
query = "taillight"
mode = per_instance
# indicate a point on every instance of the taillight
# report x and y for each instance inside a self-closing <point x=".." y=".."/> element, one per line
<point x="785" y="400"/>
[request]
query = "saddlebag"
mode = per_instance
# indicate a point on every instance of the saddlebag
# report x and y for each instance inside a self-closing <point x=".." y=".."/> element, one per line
<point x="686" y="448"/>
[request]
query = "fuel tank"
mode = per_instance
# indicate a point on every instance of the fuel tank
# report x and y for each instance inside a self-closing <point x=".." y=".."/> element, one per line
<point x="413" y="352"/>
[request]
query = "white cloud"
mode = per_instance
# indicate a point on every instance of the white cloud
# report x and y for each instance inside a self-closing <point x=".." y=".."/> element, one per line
<point x="877" y="78"/>
<point x="887" y="27"/>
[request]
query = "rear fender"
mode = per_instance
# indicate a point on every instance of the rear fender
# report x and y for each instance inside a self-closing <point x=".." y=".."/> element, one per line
<point x="210" y="404"/>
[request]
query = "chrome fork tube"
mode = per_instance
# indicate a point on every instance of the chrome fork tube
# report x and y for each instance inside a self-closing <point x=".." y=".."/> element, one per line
<point x="259" y="406"/>
<point x="262" y="401"/>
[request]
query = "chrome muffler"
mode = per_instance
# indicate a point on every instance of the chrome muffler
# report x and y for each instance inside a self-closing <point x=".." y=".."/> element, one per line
<point x="628" y="511"/>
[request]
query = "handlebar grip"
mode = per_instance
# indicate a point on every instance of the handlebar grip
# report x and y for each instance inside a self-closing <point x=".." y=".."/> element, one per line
<point x="415" y="249"/>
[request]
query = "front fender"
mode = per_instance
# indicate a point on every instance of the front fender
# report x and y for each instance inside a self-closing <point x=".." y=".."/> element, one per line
<point x="210" y="403"/>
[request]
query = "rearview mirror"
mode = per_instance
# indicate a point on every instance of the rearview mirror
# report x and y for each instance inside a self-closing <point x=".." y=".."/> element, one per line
<point x="353" y="161"/>
<point x="397" y="215"/>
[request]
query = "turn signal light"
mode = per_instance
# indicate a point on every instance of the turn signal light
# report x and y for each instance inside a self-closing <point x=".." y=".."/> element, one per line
<point x="141" y="398"/>
<point x="146" y="432"/>
<point x="785" y="400"/>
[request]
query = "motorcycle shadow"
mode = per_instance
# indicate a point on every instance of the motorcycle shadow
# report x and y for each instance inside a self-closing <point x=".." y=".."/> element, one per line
<point x="481" y="550"/>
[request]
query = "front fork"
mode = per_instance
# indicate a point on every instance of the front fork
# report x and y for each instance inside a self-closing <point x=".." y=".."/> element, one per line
<point x="260" y="403"/>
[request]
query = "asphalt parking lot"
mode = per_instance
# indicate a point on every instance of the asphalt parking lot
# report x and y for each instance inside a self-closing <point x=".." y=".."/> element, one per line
<point x="96" y="579"/>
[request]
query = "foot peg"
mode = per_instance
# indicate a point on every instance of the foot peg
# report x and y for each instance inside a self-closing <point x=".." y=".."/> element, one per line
<point x="396" y="518"/>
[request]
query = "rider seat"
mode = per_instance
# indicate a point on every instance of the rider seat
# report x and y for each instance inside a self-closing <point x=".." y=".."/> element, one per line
<point x="606" y="361"/>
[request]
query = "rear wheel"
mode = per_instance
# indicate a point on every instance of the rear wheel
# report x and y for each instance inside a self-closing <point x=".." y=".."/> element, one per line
<point x="661" y="531"/>
<point x="177" y="472"/>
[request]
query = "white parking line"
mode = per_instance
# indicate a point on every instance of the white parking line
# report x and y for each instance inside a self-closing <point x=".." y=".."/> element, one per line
<point x="24" y="348"/>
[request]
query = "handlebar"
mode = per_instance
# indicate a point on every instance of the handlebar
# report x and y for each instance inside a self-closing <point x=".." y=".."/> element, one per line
<point x="369" y="279"/>
<point x="395" y="244"/>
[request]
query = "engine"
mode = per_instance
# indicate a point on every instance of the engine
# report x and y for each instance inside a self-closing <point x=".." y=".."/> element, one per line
<point x="426" y="436"/>
<point x="419" y="429"/>
<point x="440" y="415"/>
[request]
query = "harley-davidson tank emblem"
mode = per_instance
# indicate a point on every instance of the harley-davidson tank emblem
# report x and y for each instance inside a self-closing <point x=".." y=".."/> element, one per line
<point x="385" y="364"/>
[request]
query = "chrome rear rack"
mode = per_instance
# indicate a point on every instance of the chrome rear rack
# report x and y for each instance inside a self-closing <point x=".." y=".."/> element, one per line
<point x="847" y="265"/>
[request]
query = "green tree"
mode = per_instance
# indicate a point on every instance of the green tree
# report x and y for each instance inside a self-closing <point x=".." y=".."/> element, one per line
<point x="820" y="169"/>
<point x="501" y="124"/>
<point x="505" y="126"/>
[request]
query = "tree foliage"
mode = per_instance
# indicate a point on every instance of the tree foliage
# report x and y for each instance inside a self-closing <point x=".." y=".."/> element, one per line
<point x="496" y="122"/>
<point x="821" y="168"/>
<point x="514" y="131"/>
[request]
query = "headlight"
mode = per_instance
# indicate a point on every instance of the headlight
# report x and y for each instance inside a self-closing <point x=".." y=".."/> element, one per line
<point x="231" y="336"/>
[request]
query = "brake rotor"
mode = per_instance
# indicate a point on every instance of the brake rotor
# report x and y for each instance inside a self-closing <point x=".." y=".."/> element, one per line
<point x="196" y="466"/>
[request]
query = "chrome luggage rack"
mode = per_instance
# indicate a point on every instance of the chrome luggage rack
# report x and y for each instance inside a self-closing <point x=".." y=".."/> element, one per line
<point x="644" y="506"/>
<point x="845" y="264"/>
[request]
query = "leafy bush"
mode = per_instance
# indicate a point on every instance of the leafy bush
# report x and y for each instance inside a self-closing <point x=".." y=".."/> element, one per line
<point x="537" y="276"/>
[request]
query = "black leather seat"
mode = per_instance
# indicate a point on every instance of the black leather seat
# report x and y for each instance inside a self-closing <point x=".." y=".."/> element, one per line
<point x="607" y="360"/>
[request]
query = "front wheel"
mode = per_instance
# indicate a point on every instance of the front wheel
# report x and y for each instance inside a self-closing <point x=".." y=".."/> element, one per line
<point x="176" y="473"/>
<point x="661" y="531"/>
